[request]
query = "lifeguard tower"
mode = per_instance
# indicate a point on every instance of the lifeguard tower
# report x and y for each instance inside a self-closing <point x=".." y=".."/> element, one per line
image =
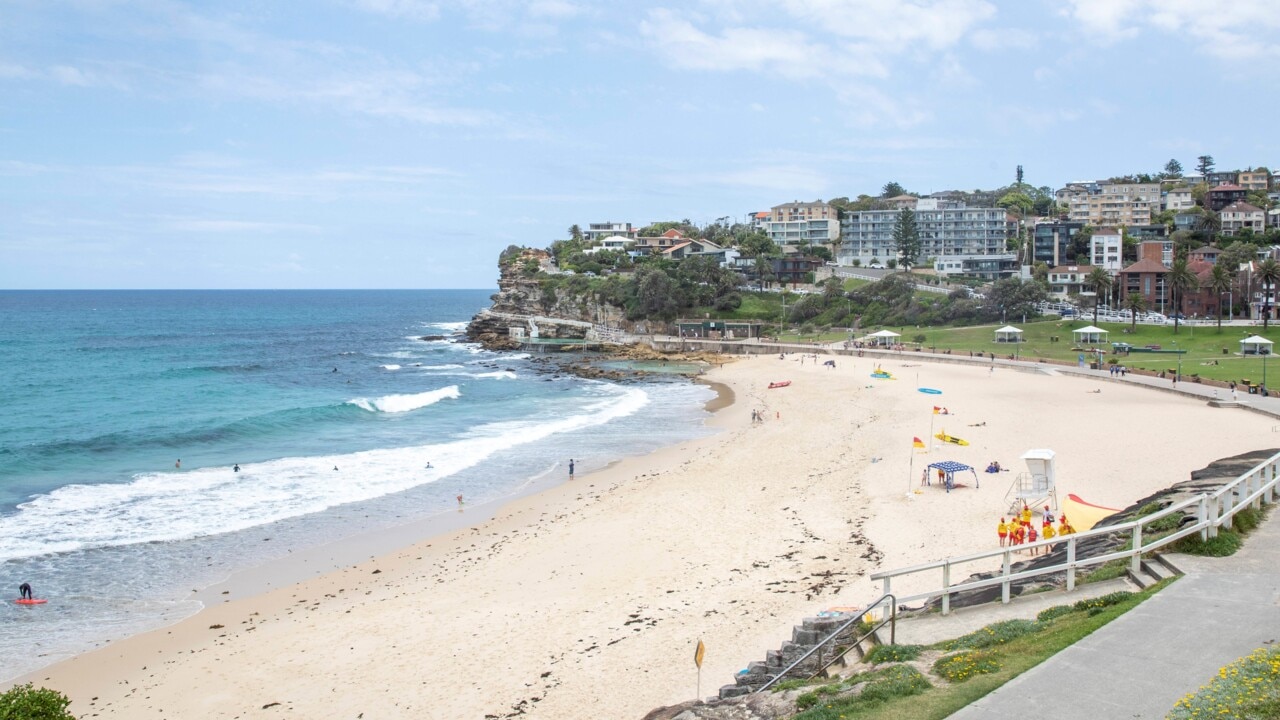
<point x="1036" y="487"/>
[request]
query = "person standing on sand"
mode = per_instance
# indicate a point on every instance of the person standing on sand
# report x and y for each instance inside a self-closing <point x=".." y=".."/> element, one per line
<point x="570" y="468"/>
<point x="1003" y="531"/>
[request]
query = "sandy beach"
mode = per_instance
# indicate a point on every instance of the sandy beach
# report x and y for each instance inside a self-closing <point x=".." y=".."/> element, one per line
<point x="586" y="600"/>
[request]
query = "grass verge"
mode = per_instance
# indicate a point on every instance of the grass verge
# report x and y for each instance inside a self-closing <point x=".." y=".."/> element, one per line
<point x="988" y="658"/>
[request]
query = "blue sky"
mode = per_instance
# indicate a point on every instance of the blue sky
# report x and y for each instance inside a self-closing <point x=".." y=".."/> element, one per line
<point x="404" y="143"/>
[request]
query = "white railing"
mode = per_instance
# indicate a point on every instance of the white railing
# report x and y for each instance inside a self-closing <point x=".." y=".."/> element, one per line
<point x="1212" y="511"/>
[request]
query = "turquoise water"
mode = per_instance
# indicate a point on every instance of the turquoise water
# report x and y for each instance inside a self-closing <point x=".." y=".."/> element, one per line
<point x="341" y="419"/>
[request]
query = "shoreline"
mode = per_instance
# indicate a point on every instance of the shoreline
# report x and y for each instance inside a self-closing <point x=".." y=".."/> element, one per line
<point x="623" y="569"/>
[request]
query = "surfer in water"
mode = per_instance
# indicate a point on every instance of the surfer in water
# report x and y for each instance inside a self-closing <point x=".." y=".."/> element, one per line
<point x="25" y="591"/>
<point x="236" y="467"/>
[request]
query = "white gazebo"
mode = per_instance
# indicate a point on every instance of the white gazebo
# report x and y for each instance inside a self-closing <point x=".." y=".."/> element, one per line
<point x="1009" y="333"/>
<point x="1255" y="345"/>
<point x="885" y="337"/>
<point x="1089" y="335"/>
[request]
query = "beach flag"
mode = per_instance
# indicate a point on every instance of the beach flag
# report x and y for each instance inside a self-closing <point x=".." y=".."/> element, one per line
<point x="936" y="409"/>
<point x="917" y="442"/>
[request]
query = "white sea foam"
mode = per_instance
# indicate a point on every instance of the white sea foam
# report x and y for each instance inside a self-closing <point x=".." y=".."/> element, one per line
<point x="405" y="403"/>
<point x="157" y="507"/>
<point x="500" y="374"/>
<point x="390" y="367"/>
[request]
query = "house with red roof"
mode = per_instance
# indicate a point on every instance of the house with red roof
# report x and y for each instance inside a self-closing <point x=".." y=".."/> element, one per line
<point x="1221" y="196"/>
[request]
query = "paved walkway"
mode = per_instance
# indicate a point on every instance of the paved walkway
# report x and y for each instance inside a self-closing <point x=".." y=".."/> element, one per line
<point x="1143" y="662"/>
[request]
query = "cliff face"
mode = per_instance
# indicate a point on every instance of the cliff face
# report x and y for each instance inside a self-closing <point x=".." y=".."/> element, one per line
<point x="521" y="307"/>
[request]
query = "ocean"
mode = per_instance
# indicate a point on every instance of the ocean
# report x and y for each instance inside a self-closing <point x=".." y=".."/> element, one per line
<point x="341" y="420"/>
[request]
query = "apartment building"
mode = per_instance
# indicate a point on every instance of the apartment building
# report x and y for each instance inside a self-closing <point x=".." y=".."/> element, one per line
<point x="1106" y="248"/>
<point x="1105" y="204"/>
<point x="1242" y="216"/>
<point x="1179" y="199"/>
<point x="1223" y="195"/>
<point x="1069" y="280"/>
<point x="960" y="240"/>
<point x="1255" y="180"/>
<point x="793" y="223"/>
<point x="599" y="231"/>
<point x="1051" y="242"/>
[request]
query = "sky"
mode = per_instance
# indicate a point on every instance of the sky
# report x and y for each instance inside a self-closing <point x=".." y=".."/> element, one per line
<point x="405" y="143"/>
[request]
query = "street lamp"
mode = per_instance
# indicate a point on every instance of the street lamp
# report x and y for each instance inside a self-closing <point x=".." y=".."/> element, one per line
<point x="1178" y="376"/>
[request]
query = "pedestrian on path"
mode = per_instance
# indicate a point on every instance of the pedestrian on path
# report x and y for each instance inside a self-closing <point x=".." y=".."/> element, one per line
<point x="570" y="468"/>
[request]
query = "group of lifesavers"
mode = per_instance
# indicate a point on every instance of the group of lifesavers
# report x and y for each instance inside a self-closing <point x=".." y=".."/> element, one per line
<point x="1019" y="530"/>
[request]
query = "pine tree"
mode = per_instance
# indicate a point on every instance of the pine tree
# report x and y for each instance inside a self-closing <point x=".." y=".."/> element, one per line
<point x="906" y="238"/>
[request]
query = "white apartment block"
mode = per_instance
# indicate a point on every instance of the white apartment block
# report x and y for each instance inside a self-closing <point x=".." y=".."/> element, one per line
<point x="959" y="239"/>
<point x="1179" y="200"/>
<point x="1240" y="216"/>
<point x="815" y="223"/>
<point x="598" y="231"/>
<point x="1107" y="249"/>
<point x="1106" y="204"/>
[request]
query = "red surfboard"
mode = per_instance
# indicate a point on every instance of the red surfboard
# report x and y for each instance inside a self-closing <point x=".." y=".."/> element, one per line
<point x="31" y="601"/>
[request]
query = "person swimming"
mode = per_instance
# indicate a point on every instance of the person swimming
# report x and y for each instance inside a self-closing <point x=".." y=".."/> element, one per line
<point x="25" y="591"/>
<point x="236" y="467"/>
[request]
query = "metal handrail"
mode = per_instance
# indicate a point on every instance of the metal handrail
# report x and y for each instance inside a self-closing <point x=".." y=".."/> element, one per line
<point x="1255" y="486"/>
<point x="890" y="617"/>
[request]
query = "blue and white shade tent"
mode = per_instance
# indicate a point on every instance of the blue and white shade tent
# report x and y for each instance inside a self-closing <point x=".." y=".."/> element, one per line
<point x="949" y="469"/>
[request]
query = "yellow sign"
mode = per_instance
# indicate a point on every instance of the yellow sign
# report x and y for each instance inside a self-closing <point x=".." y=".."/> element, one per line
<point x="697" y="654"/>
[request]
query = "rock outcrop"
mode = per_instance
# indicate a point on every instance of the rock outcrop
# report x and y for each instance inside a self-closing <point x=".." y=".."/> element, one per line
<point x="526" y="306"/>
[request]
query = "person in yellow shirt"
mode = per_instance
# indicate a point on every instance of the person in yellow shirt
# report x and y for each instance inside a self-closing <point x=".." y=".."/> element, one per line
<point x="1049" y="533"/>
<point x="1003" y="531"/>
<point x="1025" y="516"/>
<point x="1064" y="527"/>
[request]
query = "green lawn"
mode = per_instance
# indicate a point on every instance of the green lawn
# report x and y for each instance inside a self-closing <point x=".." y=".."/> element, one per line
<point x="1203" y="345"/>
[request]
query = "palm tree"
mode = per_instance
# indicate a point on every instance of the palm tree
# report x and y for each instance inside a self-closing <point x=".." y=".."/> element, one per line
<point x="1100" y="281"/>
<point x="1220" y="281"/>
<point x="1268" y="273"/>
<point x="1179" y="280"/>
<point x="1134" y="303"/>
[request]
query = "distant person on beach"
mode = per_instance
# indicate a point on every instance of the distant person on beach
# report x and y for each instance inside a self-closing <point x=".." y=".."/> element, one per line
<point x="25" y="591"/>
<point x="570" y="468"/>
<point x="459" y="499"/>
<point x="178" y="464"/>
<point x="1002" y="530"/>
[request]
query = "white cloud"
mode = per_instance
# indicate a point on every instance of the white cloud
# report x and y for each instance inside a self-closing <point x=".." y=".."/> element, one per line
<point x="786" y="52"/>
<point x="1244" y="30"/>
<point x="553" y="9"/>
<point x="993" y="39"/>
<point x="888" y="24"/>
<point x="411" y="9"/>
<point x="846" y="46"/>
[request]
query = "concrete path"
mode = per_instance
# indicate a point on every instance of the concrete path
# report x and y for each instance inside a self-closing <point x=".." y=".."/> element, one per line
<point x="1140" y="664"/>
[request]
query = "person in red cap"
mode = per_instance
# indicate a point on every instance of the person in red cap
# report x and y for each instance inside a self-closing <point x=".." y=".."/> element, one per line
<point x="1048" y="516"/>
<point x="1003" y="531"/>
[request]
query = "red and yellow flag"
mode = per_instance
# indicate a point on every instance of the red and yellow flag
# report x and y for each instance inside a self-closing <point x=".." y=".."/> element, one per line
<point x="936" y="409"/>
<point x="917" y="442"/>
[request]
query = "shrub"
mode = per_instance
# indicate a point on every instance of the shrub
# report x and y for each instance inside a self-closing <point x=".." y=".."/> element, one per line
<point x="1103" y="601"/>
<point x="1057" y="611"/>
<point x="899" y="681"/>
<point x="811" y="698"/>
<point x="993" y="634"/>
<point x="1227" y="542"/>
<point x="1247" y="688"/>
<point x="24" y="702"/>
<point x="966" y="665"/>
<point x="893" y="653"/>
